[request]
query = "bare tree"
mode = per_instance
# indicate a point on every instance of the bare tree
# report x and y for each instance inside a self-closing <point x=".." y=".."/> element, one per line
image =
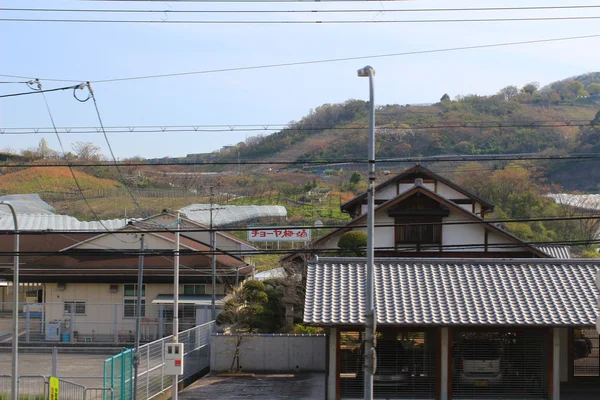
<point x="87" y="151"/>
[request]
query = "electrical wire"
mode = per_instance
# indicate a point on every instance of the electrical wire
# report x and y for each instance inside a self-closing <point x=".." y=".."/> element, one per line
<point x="69" y="166"/>
<point x="588" y="217"/>
<point x="302" y="22"/>
<point x="271" y="11"/>
<point x="39" y="91"/>
<point x="316" y="251"/>
<point x="322" y="61"/>
<point x="301" y="127"/>
<point x="116" y="163"/>
<point x="336" y="162"/>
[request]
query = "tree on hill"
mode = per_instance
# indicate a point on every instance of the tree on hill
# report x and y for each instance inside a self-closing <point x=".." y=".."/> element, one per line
<point x="593" y="89"/>
<point x="530" y="88"/>
<point x="87" y="151"/>
<point x="509" y="92"/>
<point x="574" y="88"/>
<point x="445" y="98"/>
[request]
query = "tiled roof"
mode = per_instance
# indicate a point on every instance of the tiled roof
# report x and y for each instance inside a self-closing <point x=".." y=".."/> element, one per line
<point x="556" y="251"/>
<point x="526" y="292"/>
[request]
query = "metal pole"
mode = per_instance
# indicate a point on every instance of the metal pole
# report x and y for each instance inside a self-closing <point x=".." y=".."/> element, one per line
<point x="370" y="356"/>
<point x="213" y="259"/>
<point x="138" y="316"/>
<point x="174" y="394"/>
<point x="15" y="311"/>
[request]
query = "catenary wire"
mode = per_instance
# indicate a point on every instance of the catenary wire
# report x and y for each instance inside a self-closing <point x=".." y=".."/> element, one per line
<point x="271" y="11"/>
<point x="322" y="61"/>
<point x="338" y="162"/>
<point x="303" y="22"/>
<point x="39" y="91"/>
<point x="311" y="227"/>
<point x="301" y="127"/>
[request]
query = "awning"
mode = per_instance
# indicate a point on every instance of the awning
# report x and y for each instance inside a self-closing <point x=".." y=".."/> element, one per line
<point x="187" y="299"/>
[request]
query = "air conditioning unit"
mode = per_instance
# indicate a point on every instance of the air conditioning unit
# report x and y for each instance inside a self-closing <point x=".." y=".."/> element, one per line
<point x="61" y="286"/>
<point x="113" y="288"/>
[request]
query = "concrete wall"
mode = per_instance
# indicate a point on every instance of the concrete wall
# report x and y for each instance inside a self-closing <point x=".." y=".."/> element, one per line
<point x="270" y="353"/>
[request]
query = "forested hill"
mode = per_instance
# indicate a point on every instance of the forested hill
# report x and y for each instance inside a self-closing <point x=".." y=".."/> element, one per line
<point x="554" y="119"/>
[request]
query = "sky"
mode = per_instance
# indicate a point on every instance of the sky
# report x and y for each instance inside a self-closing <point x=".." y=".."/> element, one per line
<point x="86" y="51"/>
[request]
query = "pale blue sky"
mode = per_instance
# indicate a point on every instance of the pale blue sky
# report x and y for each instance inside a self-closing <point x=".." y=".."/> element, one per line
<point x="100" y="51"/>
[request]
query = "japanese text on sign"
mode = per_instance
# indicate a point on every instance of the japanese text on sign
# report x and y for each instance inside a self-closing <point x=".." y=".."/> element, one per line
<point x="278" y="235"/>
<point x="54" y="388"/>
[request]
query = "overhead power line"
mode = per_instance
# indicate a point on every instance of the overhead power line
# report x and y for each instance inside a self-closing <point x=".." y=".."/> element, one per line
<point x="271" y="11"/>
<point x="40" y="91"/>
<point x="300" y="22"/>
<point x="312" y="62"/>
<point x="165" y="229"/>
<point x="300" y="127"/>
<point x="334" y="162"/>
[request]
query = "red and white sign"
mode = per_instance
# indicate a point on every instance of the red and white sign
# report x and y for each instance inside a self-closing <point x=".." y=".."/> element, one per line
<point x="278" y="235"/>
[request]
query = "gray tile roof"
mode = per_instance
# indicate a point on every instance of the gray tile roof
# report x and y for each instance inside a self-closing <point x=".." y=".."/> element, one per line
<point x="556" y="251"/>
<point x="530" y="292"/>
<point x="43" y="222"/>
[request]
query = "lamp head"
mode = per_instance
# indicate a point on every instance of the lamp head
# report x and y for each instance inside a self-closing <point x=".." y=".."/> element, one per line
<point x="366" y="71"/>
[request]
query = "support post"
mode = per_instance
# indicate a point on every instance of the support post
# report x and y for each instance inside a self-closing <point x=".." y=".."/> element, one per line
<point x="15" y="310"/>
<point x="27" y="325"/>
<point x="54" y="361"/>
<point x="213" y="260"/>
<point x="332" y="371"/>
<point x="370" y="355"/>
<point x="555" y="364"/>
<point x="116" y="322"/>
<point x="174" y="388"/>
<point x="161" y="311"/>
<point x="444" y="376"/>
<point x="138" y="315"/>
<point x="72" y="324"/>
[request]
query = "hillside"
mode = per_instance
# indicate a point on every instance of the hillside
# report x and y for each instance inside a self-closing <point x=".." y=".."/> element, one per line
<point x="50" y="179"/>
<point x="514" y="120"/>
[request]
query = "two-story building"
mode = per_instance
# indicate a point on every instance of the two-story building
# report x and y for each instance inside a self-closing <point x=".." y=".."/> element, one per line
<point x="464" y="309"/>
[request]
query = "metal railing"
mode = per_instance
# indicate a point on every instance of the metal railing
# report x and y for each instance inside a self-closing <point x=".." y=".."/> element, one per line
<point x="85" y="322"/>
<point x="151" y="379"/>
<point x="118" y="374"/>
<point x="38" y="388"/>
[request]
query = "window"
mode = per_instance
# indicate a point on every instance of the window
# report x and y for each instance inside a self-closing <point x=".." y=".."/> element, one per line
<point x="425" y="231"/>
<point x="79" y="307"/>
<point x="130" y="301"/>
<point x="191" y="290"/>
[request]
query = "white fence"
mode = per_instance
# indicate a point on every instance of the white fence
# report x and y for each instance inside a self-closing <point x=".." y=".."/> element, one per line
<point x="268" y="353"/>
<point x="85" y="322"/>
<point x="151" y="380"/>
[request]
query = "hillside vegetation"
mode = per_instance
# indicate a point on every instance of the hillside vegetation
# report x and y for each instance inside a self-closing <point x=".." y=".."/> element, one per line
<point x="51" y="179"/>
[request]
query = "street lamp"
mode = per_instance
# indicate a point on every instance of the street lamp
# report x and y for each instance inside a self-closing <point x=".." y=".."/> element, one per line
<point x="15" y="311"/>
<point x="370" y="355"/>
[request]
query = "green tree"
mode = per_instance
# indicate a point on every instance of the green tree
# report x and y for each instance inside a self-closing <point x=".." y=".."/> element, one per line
<point x="530" y="88"/>
<point x="355" y="178"/>
<point x="445" y="98"/>
<point x="509" y="92"/>
<point x="242" y="312"/>
<point x="593" y="89"/>
<point x="353" y="244"/>
<point x="574" y="87"/>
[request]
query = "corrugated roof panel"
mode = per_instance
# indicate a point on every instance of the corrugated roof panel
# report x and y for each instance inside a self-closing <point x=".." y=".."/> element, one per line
<point x="441" y="292"/>
<point x="43" y="222"/>
<point x="225" y="215"/>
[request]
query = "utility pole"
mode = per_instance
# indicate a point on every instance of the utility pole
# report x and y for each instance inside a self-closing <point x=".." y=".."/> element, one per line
<point x="138" y="314"/>
<point x="213" y="259"/>
<point x="15" y="308"/>
<point x="174" y="388"/>
<point x="370" y="319"/>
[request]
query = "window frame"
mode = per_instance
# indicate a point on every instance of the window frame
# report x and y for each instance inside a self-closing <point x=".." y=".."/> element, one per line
<point x="77" y="303"/>
<point x="434" y="237"/>
<point x="131" y="301"/>
<point x="195" y="286"/>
